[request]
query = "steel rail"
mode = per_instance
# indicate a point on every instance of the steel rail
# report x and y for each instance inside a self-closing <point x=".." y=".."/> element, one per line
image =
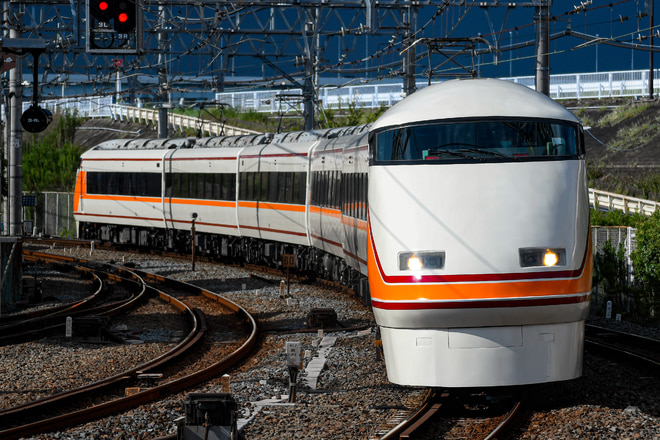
<point x="426" y="405"/>
<point x="432" y="404"/>
<point x="145" y="396"/>
<point x="41" y="406"/>
<point x="632" y="347"/>
<point x="49" y="323"/>
<point x="505" y="424"/>
<point x="9" y="321"/>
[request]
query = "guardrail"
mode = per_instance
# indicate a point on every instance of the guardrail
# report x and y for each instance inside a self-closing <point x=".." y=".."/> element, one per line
<point x="595" y="85"/>
<point x="608" y="201"/>
<point x="177" y="122"/>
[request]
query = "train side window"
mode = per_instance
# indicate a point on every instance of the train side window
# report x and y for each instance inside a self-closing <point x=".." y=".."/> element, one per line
<point x="354" y="195"/>
<point x="299" y="188"/>
<point x="232" y="187"/>
<point x="330" y="188"/>
<point x="249" y="186"/>
<point x="192" y="186"/>
<point x="215" y="184"/>
<point x="303" y="188"/>
<point x="264" y="186"/>
<point x="242" y="185"/>
<point x="321" y="188"/>
<point x="152" y="184"/>
<point x="348" y="202"/>
<point x="168" y="185"/>
<point x="183" y="185"/>
<point x="312" y="200"/>
<point x="175" y="178"/>
<point x="289" y="187"/>
<point x="224" y="186"/>
<point x="341" y="184"/>
<point x="201" y="186"/>
<point x="124" y="184"/>
<point x="257" y="187"/>
<point x="272" y="186"/>
<point x="365" y="196"/>
<point x="281" y="190"/>
<point x="361" y="196"/>
<point x="93" y="182"/>
<point x="344" y="186"/>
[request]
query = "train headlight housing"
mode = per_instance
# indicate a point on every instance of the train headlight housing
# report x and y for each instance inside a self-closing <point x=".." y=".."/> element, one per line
<point x="542" y="257"/>
<point x="416" y="261"/>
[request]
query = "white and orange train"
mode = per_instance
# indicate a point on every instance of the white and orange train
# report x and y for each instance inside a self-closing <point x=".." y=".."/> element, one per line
<point x="465" y="206"/>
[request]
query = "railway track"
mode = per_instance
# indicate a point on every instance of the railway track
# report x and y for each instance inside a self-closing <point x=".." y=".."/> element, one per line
<point x="640" y="350"/>
<point x="250" y="380"/>
<point x="64" y="409"/>
<point x="441" y="409"/>
<point x="113" y="293"/>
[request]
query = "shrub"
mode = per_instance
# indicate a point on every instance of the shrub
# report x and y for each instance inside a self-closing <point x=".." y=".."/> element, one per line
<point x="616" y="218"/>
<point x="646" y="261"/>
<point x="610" y="277"/>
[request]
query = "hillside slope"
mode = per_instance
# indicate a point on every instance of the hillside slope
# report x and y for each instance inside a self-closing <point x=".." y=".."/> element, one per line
<point x="622" y="144"/>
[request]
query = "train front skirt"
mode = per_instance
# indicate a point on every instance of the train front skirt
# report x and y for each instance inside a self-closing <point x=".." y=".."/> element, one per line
<point x="484" y="356"/>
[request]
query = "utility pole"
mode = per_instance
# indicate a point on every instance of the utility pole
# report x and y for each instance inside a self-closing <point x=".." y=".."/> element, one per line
<point x="15" y="146"/>
<point x="6" y="138"/>
<point x="409" y="81"/>
<point x="163" y="94"/>
<point x="543" y="46"/>
<point x="651" y="31"/>
<point x="310" y="35"/>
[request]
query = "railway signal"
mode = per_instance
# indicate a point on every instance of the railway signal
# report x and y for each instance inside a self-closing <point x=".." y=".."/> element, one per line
<point x="113" y="26"/>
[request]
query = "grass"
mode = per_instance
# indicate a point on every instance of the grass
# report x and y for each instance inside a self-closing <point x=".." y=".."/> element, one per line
<point x="635" y="136"/>
<point x="622" y="113"/>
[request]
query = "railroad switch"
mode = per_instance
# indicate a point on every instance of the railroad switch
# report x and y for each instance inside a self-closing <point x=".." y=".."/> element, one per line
<point x="209" y="416"/>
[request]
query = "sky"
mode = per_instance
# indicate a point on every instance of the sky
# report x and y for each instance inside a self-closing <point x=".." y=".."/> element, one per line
<point x="615" y="22"/>
<point x="603" y="24"/>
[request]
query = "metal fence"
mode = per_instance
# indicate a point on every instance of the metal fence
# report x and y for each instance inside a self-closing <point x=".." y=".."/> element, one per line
<point x="599" y="85"/>
<point x="607" y="201"/>
<point x="52" y="216"/>
<point x="594" y="85"/>
<point x="618" y="236"/>
<point x="87" y="107"/>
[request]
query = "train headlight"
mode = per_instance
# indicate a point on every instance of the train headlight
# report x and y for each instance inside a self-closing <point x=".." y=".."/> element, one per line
<point x="539" y="257"/>
<point x="417" y="261"/>
<point x="550" y="258"/>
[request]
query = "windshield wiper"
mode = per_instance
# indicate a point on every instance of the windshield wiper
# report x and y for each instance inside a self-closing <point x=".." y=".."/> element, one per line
<point x="456" y="153"/>
<point x="464" y="152"/>
<point x="484" y="151"/>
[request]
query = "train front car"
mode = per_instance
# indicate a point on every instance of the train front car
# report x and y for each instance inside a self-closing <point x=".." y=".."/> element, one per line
<point x="479" y="249"/>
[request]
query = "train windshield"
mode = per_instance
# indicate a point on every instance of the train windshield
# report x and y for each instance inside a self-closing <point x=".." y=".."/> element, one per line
<point x="490" y="140"/>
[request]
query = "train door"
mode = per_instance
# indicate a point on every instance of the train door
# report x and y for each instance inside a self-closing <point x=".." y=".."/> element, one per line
<point x="167" y="188"/>
<point x="354" y="203"/>
<point x="80" y="190"/>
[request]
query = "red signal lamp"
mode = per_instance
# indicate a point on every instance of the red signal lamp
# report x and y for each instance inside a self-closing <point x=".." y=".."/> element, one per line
<point x="103" y="6"/>
<point x="122" y="17"/>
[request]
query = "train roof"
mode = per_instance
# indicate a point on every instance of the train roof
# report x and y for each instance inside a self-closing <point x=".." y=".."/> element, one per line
<point x="468" y="98"/>
<point x="230" y="141"/>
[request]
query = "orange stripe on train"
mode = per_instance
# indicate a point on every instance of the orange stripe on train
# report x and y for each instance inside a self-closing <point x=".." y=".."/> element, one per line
<point x="466" y="291"/>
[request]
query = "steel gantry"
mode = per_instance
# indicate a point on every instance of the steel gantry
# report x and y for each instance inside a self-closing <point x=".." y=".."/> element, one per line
<point x="220" y="43"/>
<point x="213" y="44"/>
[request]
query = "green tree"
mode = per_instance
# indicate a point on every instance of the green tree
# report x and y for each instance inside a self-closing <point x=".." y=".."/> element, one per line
<point x="610" y="276"/>
<point x="646" y="261"/>
<point x="50" y="160"/>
